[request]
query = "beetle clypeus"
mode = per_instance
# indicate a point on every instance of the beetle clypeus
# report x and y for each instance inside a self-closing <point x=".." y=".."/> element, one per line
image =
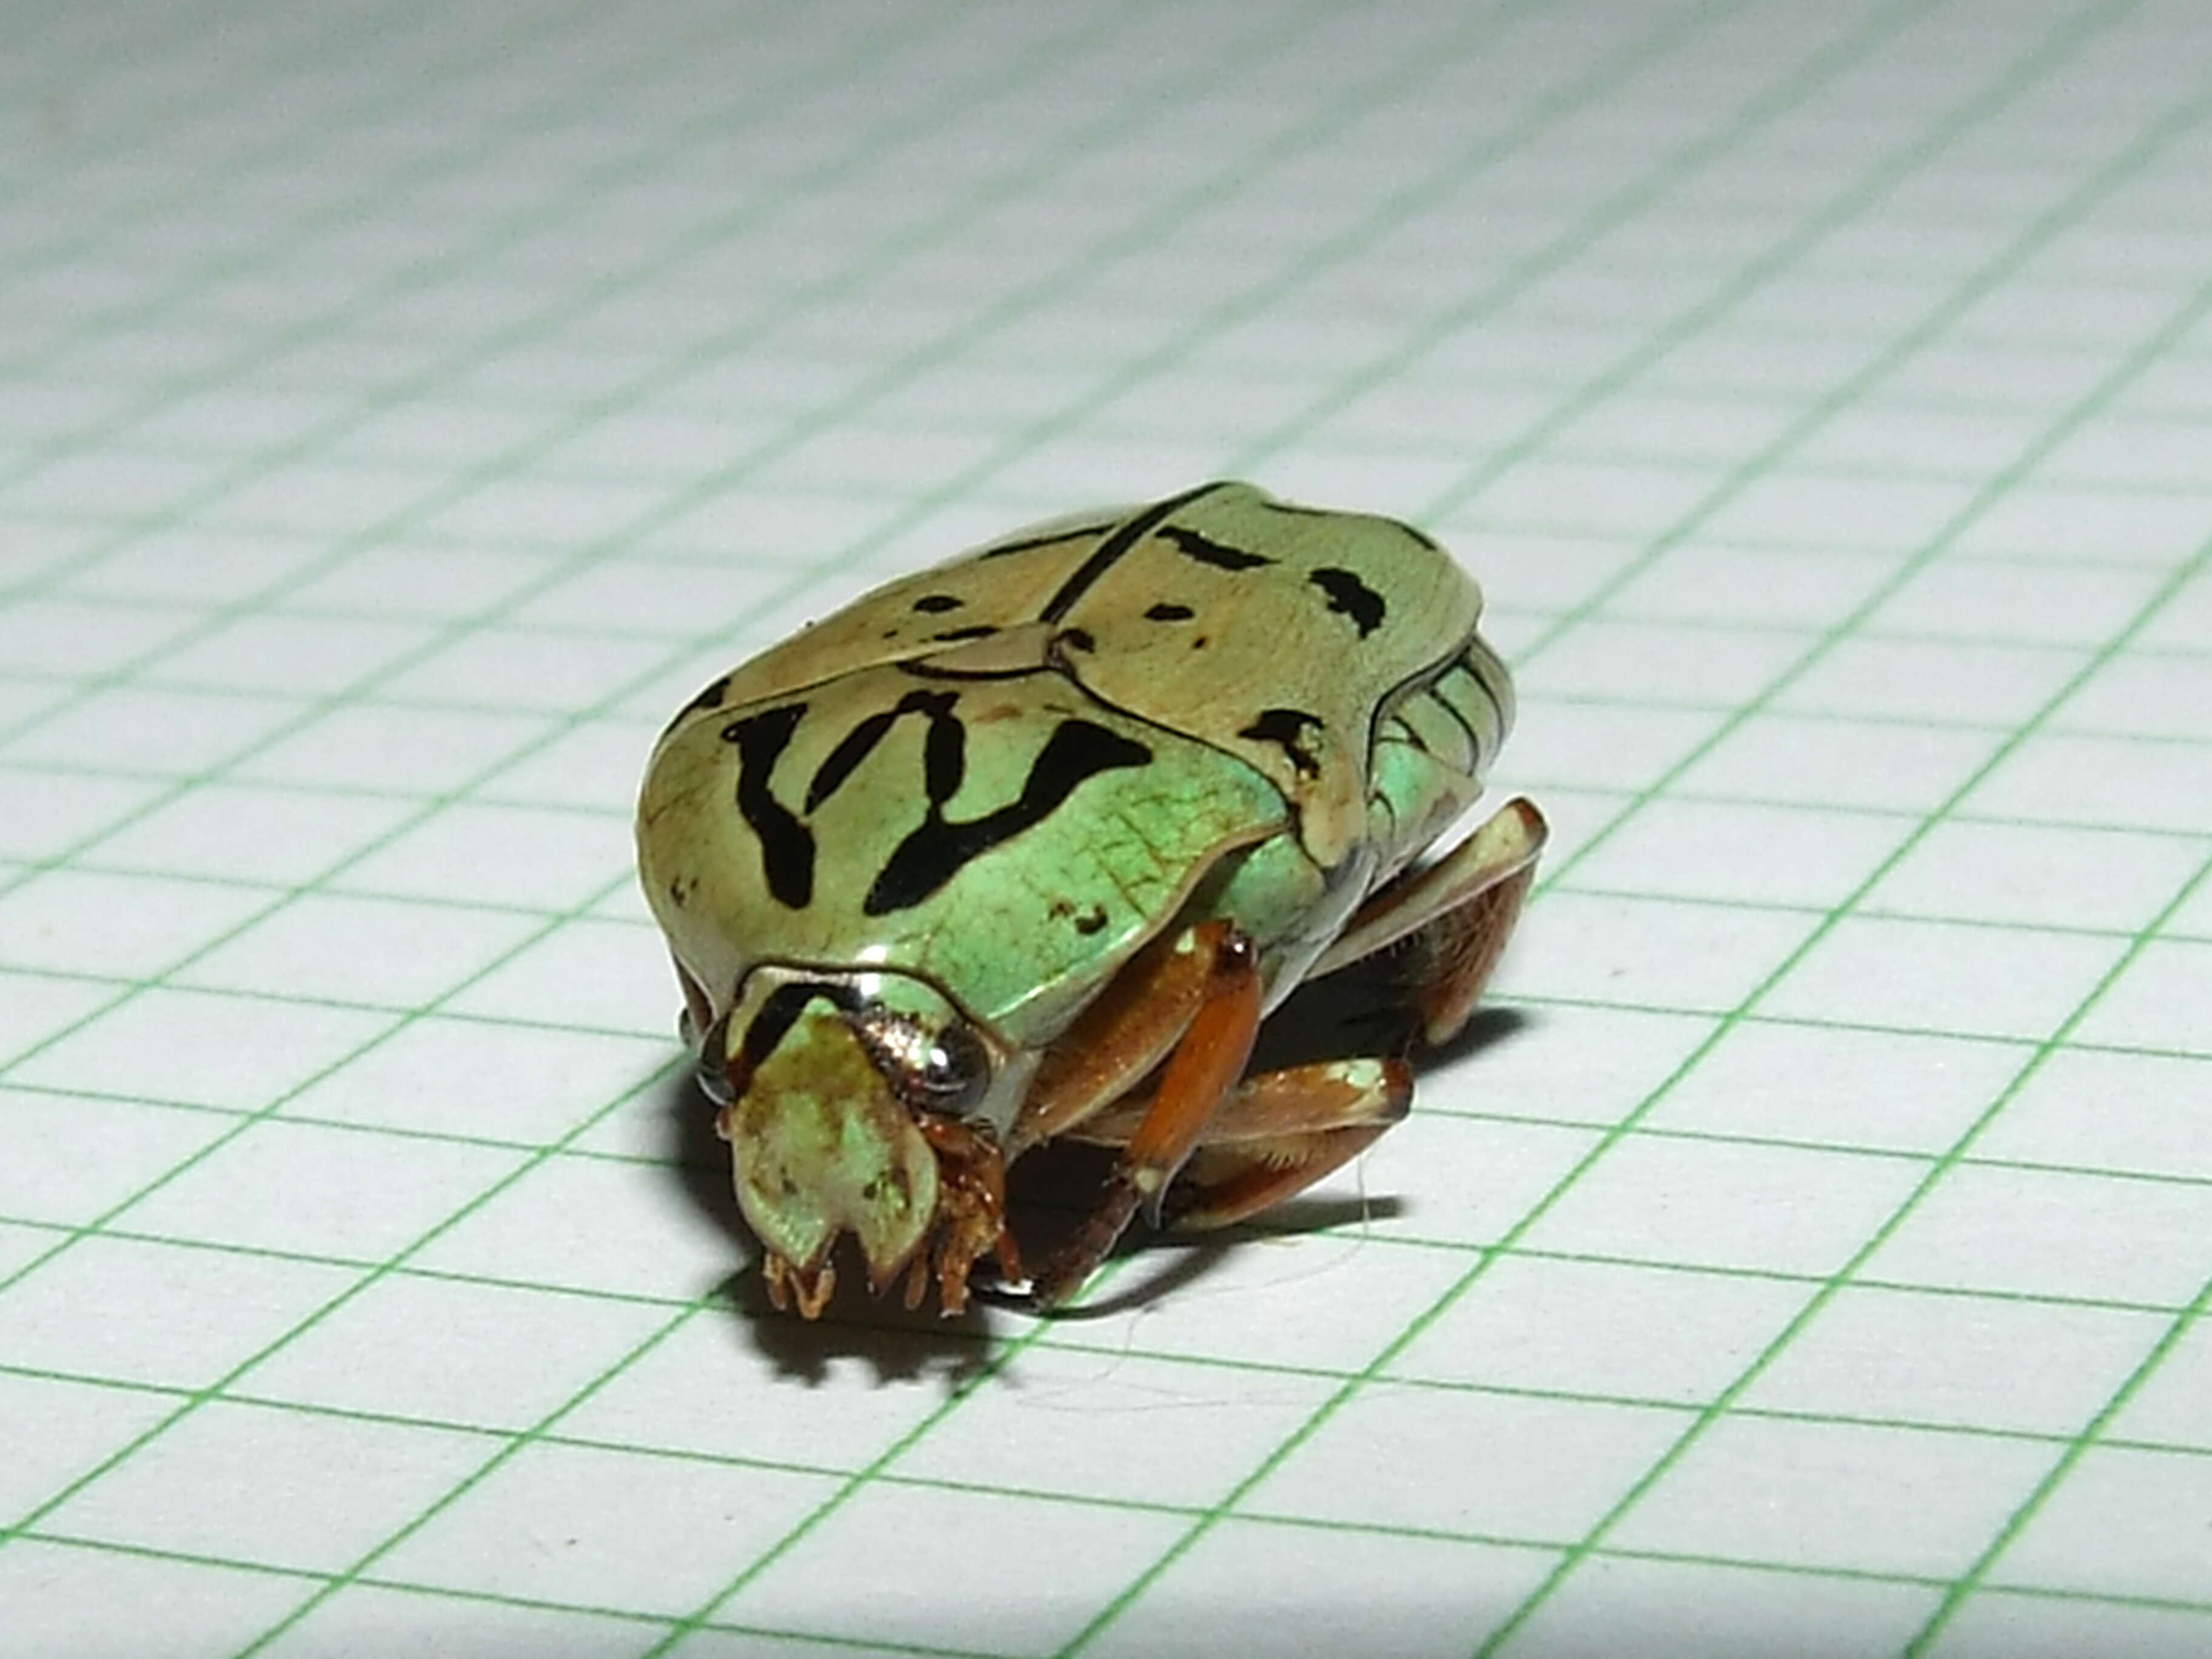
<point x="1023" y="847"/>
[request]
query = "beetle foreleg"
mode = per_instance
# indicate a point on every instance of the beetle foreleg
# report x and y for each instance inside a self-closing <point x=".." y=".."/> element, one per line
<point x="1208" y="1059"/>
<point x="971" y="1215"/>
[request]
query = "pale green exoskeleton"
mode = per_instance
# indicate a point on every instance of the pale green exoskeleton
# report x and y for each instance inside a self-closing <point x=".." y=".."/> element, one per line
<point x="1025" y="846"/>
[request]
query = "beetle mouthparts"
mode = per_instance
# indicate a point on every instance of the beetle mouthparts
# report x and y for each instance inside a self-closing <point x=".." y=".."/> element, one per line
<point x="811" y="1290"/>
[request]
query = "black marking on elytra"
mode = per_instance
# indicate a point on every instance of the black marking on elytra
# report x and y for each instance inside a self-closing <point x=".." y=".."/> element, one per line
<point x="711" y="697"/>
<point x="1206" y="551"/>
<point x="787" y="845"/>
<point x="1169" y="613"/>
<point x="1348" y="596"/>
<point x="939" y="848"/>
<point x="1110" y="551"/>
<point x="852" y="749"/>
<point x="1286" y="728"/>
<point x="858" y="743"/>
<point x="973" y="631"/>
<point x="934" y="603"/>
<point x="943" y="751"/>
<point x="1073" y="532"/>
<point x="1077" y="639"/>
<point x="1091" y="921"/>
<point x="1292" y="509"/>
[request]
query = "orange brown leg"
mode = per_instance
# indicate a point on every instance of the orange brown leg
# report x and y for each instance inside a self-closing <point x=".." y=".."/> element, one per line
<point x="1123" y="1035"/>
<point x="971" y="1216"/>
<point x="1276" y="1135"/>
<point x="1209" y="1055"/>
<point x="1458" y="913"/>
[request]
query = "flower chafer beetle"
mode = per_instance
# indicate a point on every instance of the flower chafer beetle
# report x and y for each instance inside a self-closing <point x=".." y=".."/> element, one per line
<point x="1023" y="847"/>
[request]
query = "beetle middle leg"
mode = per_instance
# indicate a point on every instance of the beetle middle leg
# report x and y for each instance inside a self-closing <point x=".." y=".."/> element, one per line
<point x="1203" y="996"/>
<point x="1276" y="1134"/>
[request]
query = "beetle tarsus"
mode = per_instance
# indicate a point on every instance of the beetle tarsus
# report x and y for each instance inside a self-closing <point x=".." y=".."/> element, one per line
<point x="1071" y="1266"/>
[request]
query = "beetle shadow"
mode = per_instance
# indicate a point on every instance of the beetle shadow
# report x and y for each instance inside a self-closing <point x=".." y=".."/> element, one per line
<point x="898" y="1346"/>
<point x="1364" y="1010"/>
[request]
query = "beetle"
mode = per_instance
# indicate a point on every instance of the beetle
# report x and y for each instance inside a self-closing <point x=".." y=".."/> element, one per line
<point x="1023" y="847"/>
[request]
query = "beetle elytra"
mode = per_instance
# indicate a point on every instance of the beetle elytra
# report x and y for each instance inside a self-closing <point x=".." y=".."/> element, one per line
<point x="1023" y="847"/>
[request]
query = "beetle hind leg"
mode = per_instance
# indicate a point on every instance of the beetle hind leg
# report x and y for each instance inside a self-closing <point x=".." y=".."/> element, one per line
<point x="1453" y="918"/>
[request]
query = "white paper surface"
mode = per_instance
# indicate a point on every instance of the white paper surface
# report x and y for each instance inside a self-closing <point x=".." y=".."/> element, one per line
<point x="402" y="409"/>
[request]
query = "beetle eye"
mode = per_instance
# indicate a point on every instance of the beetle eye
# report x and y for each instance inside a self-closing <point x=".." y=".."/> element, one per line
<point x="957" y="1073"/>
<point x="946" y="1071"/>
<point x="714" y="1069"/>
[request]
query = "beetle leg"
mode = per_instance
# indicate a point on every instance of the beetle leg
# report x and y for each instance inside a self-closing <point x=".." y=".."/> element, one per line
<point x="1276" y="1134"/>
<point x="1459" y="911"/>
<point x="971" y="1214"/>
<point x="1122" y="1035"/>
<point x="1207" y="1061"/>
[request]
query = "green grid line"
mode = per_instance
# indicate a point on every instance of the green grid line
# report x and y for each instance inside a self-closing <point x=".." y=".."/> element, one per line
<point x="516" y="129"/>
<point x="2095" y="1432"/>
<point x="1288" y="1522"/>
<point x="146" y="672"/>
<point x="1724" y="1403"/>
<point x="1657" y="621"/>
<point x="1534" y="998"/>
<point x="2046" y="53"/>
<point x="677" y="1629"/>
<point x="1385" y="1242"/>
<point x="369" y="27"/>
<point x="1942" y="1163"/>
<point x="151" y="117"/>
<point x="1641" y="1130"/>
<point x="131" y="526"/>
<point x="271" y="1633"/>
<point x="2189" y="419"/>
<point x="2077" y="202"/>
<point x="1408" y="1243"/>
<point x="514" y="334"/>
<point x="1644" y="453"/>
<point x="400" y="898"/>
<point x="876" y="1470"/>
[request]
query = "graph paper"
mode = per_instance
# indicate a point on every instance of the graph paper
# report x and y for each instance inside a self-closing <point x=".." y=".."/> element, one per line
<point x="404" y="408"/>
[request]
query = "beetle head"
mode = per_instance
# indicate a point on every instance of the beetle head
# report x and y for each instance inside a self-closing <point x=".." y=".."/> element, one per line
<point x="863" y="1103"/>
